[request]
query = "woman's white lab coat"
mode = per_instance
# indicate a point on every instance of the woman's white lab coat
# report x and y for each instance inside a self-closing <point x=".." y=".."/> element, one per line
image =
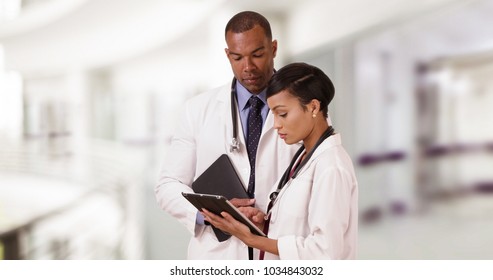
<point x="316" y="213"/>
<point x="203" y="134"/>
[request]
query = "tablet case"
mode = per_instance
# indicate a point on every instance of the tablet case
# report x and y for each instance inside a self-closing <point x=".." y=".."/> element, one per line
<point x="220" y="178"/>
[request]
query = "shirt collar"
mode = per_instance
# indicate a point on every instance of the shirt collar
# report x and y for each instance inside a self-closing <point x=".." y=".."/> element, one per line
<point x="243" y="95"/>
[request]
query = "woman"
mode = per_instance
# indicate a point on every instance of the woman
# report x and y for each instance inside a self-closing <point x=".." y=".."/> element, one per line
<point x="314" y="212"/>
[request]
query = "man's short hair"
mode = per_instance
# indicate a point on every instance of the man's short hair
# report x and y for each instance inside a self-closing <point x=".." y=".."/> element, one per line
<point x="247" y="20"/>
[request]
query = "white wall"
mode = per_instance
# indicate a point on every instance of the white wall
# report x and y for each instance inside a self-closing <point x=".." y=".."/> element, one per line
<point x="319" y="22"/>
<point x="99" y="33"/>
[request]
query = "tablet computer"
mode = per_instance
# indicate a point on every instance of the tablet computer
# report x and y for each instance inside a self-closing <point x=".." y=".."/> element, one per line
<point x="217" y="204"/>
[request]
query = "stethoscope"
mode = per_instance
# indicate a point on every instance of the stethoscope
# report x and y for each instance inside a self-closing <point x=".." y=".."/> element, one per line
<point x="235" y="144"/>
<point x="286" y="176"/>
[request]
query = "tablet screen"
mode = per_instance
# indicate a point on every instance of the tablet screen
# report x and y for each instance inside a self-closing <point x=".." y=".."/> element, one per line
<point x="217" y="204"/>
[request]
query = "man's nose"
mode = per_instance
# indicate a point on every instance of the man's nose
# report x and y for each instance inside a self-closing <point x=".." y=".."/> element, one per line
<point x="249" y="65"/>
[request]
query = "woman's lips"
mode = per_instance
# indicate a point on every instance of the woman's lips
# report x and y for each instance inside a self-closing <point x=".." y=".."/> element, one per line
<point x="282" y="135"/>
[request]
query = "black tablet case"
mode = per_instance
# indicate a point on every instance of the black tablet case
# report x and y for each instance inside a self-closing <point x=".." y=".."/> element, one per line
<point x="220" y="178"/>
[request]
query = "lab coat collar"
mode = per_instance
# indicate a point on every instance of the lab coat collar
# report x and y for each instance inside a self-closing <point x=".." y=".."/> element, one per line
<point x="332" y="141"/>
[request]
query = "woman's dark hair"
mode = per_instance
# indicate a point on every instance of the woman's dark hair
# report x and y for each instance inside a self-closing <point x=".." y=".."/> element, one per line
<point x="305" y="82"/>
<point x="247" y="20"/>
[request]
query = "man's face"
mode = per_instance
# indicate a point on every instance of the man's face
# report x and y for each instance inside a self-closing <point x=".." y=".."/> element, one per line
<point x="251" y="55"/>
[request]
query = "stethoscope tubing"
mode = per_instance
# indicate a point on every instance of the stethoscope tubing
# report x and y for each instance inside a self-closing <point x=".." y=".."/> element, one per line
<point x="285" y="177"/>
<point x="235" y="144"/>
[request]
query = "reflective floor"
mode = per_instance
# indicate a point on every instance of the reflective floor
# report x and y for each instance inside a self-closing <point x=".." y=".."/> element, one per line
<point x="456" y="229"/>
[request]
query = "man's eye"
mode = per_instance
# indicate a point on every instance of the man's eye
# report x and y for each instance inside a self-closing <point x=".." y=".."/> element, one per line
<point x="236" y="58"/>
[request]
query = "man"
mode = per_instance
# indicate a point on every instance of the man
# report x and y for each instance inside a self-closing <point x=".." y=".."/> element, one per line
<point x="206" y="132"/>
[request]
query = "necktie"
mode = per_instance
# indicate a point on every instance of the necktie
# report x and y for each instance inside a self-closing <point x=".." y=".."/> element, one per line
<point x="254" y="131"/>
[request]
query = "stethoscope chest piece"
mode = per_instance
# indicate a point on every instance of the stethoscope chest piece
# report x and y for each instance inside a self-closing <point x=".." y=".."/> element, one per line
<point x="234" y="146"/>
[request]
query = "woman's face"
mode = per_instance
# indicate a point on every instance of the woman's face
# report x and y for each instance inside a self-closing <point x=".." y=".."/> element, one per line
<point x="293" y="121"/>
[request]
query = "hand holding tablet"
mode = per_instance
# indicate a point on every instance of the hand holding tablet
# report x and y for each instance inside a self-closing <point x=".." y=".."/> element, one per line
<point x="217" y="204"/>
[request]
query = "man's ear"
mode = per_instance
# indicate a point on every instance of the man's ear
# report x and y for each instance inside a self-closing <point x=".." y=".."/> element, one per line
<point x="274" y="48"/>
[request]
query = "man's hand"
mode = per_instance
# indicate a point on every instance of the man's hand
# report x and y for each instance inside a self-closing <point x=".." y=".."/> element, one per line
<point x="242" y="202"/>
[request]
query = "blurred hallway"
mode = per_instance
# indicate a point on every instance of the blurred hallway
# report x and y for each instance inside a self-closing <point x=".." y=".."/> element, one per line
<point x="90" y="91"/>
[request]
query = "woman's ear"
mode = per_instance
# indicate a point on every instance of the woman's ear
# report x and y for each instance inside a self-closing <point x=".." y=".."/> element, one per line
<point x="314" y="107"/>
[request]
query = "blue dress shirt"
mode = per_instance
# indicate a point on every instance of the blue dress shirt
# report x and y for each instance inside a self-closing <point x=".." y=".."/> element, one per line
<point x="243" y="96"/>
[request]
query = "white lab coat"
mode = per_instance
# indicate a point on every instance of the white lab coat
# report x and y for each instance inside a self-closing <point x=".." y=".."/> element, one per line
<point x="205" y="132"/>
<point x="316" y="213"/>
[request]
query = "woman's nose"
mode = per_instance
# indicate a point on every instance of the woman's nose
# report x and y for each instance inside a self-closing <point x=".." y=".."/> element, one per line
<point x="277" y="125"/>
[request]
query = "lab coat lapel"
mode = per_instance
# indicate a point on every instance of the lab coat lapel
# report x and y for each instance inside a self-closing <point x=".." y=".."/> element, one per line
<point x="240" y="158"/>
<point x="268" y="125"/>
<point x="226" y="118"/>
<point x="225" y="114"/>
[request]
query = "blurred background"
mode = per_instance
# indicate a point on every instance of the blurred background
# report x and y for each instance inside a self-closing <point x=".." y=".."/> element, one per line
<point x="90" y="91"/>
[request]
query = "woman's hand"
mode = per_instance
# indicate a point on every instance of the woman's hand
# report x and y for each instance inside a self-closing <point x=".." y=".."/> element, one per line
<point x="254" y="215"/>
<point x="242" y="202"/>
<point x="245" y="206"/>
<point x="228" y="224"/>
